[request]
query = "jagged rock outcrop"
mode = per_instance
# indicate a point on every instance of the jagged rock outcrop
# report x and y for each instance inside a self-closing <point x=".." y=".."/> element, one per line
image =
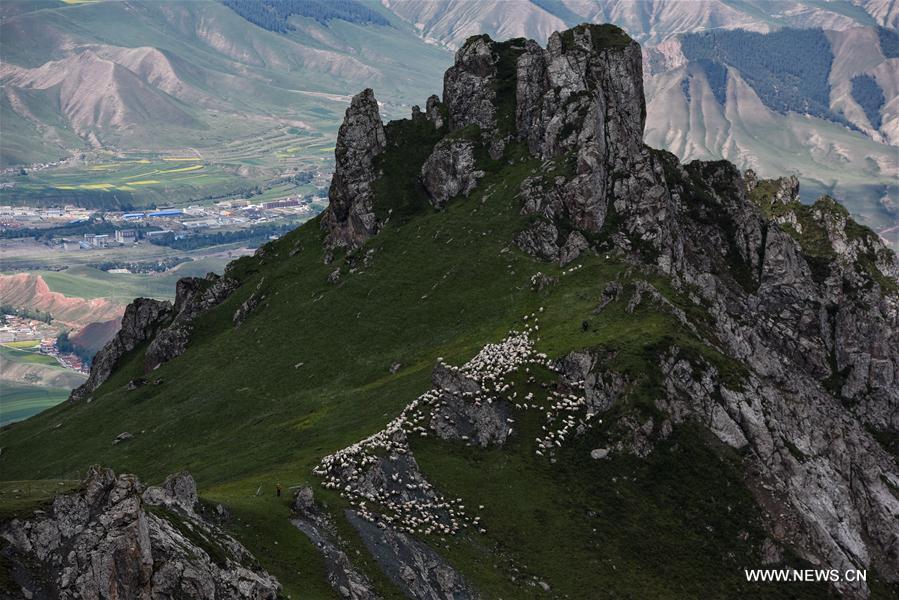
<point x="115" y="539"/>
<point x="540" y="239"/>
<point x="249" y="305"/>
<point x="469" y="90"/>
<point x="803" y="298"/>
<point x="143" y="318"/>
<point x="450" y="171"/>
<point x="799" y="305"/>
<point x="457" y="417"/>
<point x="316" y="524"/>
<point x="193" y="297"/>
<point x="583" y="93"/>
<point x="581" y="100"/>
<point x="413" y="566"/>
<point x="434" y="111"/>
<point x="349" y="219"/>
<point x="826" y="488"/>
<point x="807" y="314"/>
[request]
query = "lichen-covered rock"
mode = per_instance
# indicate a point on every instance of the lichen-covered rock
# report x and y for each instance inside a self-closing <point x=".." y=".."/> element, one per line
<point x="540" y="239"/>
<point x="193" y="297"/>
<point x="450" y="171"/>
<point x="574" y="246"/>
<point x="830" y="484"/>
<point x="812" y="319"/>
<point x="114" y="539"/>
<point x="583" y="94"/>
<point x="143" y="318"/>
<point x="349" y="219"/>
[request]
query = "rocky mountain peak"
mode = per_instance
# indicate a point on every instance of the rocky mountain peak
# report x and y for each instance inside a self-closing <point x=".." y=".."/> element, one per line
<point x="469" y="86"/>
<point x="349" y="219"/>
<point x="579" y="100"/>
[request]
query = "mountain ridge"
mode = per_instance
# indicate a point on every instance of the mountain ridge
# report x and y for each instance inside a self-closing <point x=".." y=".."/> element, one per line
<point x="517" y="285"/>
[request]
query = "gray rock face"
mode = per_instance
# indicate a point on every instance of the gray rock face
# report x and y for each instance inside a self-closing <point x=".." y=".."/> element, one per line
<point x="412" y="565"/>
<point x="456" y="416"/>
<point x="113" y="539"/>
<point x="540" y="239"/>
<point x="434" y="111"/>
<point x="143" y="318"/>
<point x="193" y="297"/>
<point x="574" y="246"/>
<point x="583" y="95"/>
<point x="469" y="90"/>
<point x="349" y="219"/>
<point x="450" y="171"/>
<point x="820" y="342"/>
<point x="178" y="491"/>
<point x="249" y="305"/>
<point x="829" y="484"/>
<point x="315" y="524"/>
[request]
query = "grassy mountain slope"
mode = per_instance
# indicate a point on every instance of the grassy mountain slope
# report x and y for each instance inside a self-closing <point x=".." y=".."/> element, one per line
<point x="307" y="374"/>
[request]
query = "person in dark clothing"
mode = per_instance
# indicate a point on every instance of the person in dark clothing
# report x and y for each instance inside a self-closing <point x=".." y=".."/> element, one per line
<point x="278" y="490"/>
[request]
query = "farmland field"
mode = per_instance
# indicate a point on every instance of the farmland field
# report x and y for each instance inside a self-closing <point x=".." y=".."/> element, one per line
<point x="133" y="181"/>
<point x="23" y="344"/>
<point x="19" y="402"/>
<point x="138" y="179"/>
<point x="27" y="356"/>
<point x="88" y="282"/>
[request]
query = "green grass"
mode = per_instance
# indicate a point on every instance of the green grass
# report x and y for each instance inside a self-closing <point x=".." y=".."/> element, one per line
<point x="23" y="344"/>
<point x="136" y="180"/>
<point x="667" y="526"/>
<point x="19" y="498"/>
<point x="27" y="356"/>
<point x="18" y="402"/>
<point x="441" y="284"/>
<point x="88" y="282"/>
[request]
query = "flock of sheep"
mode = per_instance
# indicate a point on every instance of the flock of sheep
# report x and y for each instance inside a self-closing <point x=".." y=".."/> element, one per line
<point x="380" y="470"/>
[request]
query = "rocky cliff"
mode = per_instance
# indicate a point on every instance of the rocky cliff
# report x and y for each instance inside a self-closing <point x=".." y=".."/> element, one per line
<point x="349" y="219"/>
<point x="802" y="298"/>
<point x="143" y="318"/>
<point x="193" y="297"/>
<point x="114" y="538"/>
<point x="166" y="327"/>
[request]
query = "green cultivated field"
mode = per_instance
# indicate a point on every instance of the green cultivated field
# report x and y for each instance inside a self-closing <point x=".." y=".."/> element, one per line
<point x="27" y="357"/>
<point x="88" y="282"/>
<point x="19" y="402"/>
<point x="134" y="181"/>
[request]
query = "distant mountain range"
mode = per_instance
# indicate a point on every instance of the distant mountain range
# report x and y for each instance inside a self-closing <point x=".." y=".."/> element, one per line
<point x="157" y="75"/>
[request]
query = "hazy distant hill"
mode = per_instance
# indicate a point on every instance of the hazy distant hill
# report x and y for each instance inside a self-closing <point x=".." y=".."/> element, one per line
<point x="786" y="98"/>
<point x="172" y="74"/>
